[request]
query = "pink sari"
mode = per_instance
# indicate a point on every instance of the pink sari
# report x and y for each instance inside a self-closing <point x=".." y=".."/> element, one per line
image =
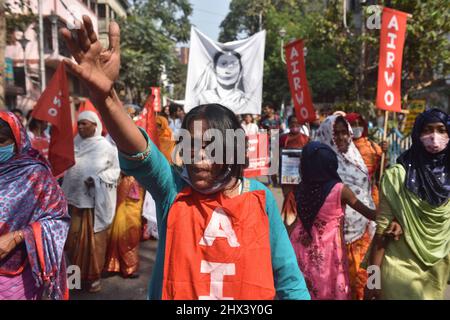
<point x="322" y="257"/>
<point x="19" y="287"/>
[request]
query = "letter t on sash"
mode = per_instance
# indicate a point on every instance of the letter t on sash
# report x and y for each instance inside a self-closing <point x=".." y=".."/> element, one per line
<point x="217" y="271"/>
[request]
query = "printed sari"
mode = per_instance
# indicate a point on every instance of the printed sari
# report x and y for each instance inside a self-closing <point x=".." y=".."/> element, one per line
<point x="32" y="201"/>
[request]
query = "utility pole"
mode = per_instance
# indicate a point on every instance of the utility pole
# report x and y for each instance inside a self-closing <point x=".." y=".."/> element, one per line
<point x="363" y="55"/>
<point x="41" y="46"/>
<point x="260" y="20"/>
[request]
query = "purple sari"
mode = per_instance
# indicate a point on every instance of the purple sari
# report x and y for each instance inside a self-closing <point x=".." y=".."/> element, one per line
<point x="32" y="201"/>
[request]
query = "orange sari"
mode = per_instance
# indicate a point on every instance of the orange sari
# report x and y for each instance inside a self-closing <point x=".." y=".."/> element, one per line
<point x="166" y="144"/>
<point x="371" y="154"/>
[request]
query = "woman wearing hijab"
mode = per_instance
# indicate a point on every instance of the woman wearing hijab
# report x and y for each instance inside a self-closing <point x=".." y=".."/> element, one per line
<point x="317" y="235"/>
<point x="370" y="151"/>
<point x="91" y="190"/>
<point x="336" y="132"/>
<point x="416" y="193"/>
<point x="33" y="220"/>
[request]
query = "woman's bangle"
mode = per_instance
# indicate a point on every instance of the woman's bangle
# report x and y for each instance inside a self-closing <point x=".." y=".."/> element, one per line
<point x="20" y="234"/>
<point x="139" y="156"/>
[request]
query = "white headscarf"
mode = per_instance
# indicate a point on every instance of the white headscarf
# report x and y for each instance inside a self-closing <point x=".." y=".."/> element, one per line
<point x="92" y="117"/>
<point x="95" y="158"/>
<point x="355" y="175"/>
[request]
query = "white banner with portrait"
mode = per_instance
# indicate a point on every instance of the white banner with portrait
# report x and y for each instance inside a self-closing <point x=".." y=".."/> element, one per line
<point x="229" y="73"/>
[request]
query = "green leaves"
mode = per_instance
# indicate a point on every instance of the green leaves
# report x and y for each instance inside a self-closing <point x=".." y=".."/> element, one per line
<point x="15" y="21"/>
<point x="341" y="64"/>
<point x="148" y="38"/>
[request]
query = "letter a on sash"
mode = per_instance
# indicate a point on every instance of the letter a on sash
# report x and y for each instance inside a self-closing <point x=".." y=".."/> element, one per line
<point x="219" y="227"/>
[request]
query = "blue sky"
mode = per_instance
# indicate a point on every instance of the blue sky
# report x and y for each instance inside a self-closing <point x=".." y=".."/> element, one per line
<point x="208" y="14"/>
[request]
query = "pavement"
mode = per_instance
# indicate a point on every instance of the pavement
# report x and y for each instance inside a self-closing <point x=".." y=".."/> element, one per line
<point x="117" y="288"/>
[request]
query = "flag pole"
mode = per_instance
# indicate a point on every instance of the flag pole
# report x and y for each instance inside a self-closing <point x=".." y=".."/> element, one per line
<point x="383" y="156"/>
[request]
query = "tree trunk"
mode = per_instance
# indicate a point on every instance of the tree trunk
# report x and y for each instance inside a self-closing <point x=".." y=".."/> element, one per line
<point x="2" y="54"/>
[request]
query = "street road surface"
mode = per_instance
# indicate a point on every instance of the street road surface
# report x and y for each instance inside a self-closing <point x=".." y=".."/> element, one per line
<point x="118" y="288"/>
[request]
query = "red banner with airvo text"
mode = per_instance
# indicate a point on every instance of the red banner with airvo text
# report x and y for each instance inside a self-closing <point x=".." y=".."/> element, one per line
<point x="392" y="40"/>
<point x="304" y="109"/>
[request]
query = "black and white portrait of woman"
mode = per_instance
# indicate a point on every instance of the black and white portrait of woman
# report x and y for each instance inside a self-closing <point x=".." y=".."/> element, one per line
<point x="228" y="86"/>
<point x="226" y="74"/>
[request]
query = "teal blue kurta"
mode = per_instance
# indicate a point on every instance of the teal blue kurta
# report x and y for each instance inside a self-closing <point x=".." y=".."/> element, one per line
<point x="161" y="180"/>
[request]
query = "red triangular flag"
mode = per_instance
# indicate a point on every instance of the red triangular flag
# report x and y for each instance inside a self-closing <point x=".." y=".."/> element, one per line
<point x="53" y="106"/>
<point x="147" y="120"/>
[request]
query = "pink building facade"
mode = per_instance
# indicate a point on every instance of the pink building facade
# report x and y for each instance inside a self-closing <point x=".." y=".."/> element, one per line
<point x="56" y="14"/>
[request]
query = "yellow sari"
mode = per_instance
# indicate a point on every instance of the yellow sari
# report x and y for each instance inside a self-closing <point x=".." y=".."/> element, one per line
<point x="123" y="248"/>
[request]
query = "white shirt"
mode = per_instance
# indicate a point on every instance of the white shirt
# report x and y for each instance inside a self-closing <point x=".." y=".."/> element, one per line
<point x="250" y="128"/>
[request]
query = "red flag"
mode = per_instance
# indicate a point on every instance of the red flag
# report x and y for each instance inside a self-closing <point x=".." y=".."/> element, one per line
<point x="304" y="109"/>
<point x="54" y="107"/>
<point x="392" y="40"/>
<point x="156" y="92"/>
<point x="147" y="120"/>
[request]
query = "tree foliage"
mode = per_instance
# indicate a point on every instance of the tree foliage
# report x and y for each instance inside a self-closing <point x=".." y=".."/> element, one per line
<point x="342" y="63"/>
<point x="149" y="35"/>
<point x="18" y="21"/>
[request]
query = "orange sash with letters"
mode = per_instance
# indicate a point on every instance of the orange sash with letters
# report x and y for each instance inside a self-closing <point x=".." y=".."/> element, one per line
<point x="218" y="248"/>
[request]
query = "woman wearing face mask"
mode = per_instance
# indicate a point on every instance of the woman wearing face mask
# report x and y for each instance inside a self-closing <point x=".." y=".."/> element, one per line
<point x="370" y="151"/>
<point x="220" y="235"/>
<point x="416" y="193"/>
<point x="292" y="140"/>
<point x="91" y="190"/>
<point x="33" y="220"/>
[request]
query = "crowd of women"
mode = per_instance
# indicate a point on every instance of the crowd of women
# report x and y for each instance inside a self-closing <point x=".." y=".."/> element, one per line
<point x="221" y="235"/>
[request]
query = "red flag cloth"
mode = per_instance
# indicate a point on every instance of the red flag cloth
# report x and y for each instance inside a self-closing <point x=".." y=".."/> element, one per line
<point x="147" y="120"/>
<point x="304" y="109"/>
<point x="392" y="40"/>
<point x="53" y="106"/>
<point x="156" y="93"/>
